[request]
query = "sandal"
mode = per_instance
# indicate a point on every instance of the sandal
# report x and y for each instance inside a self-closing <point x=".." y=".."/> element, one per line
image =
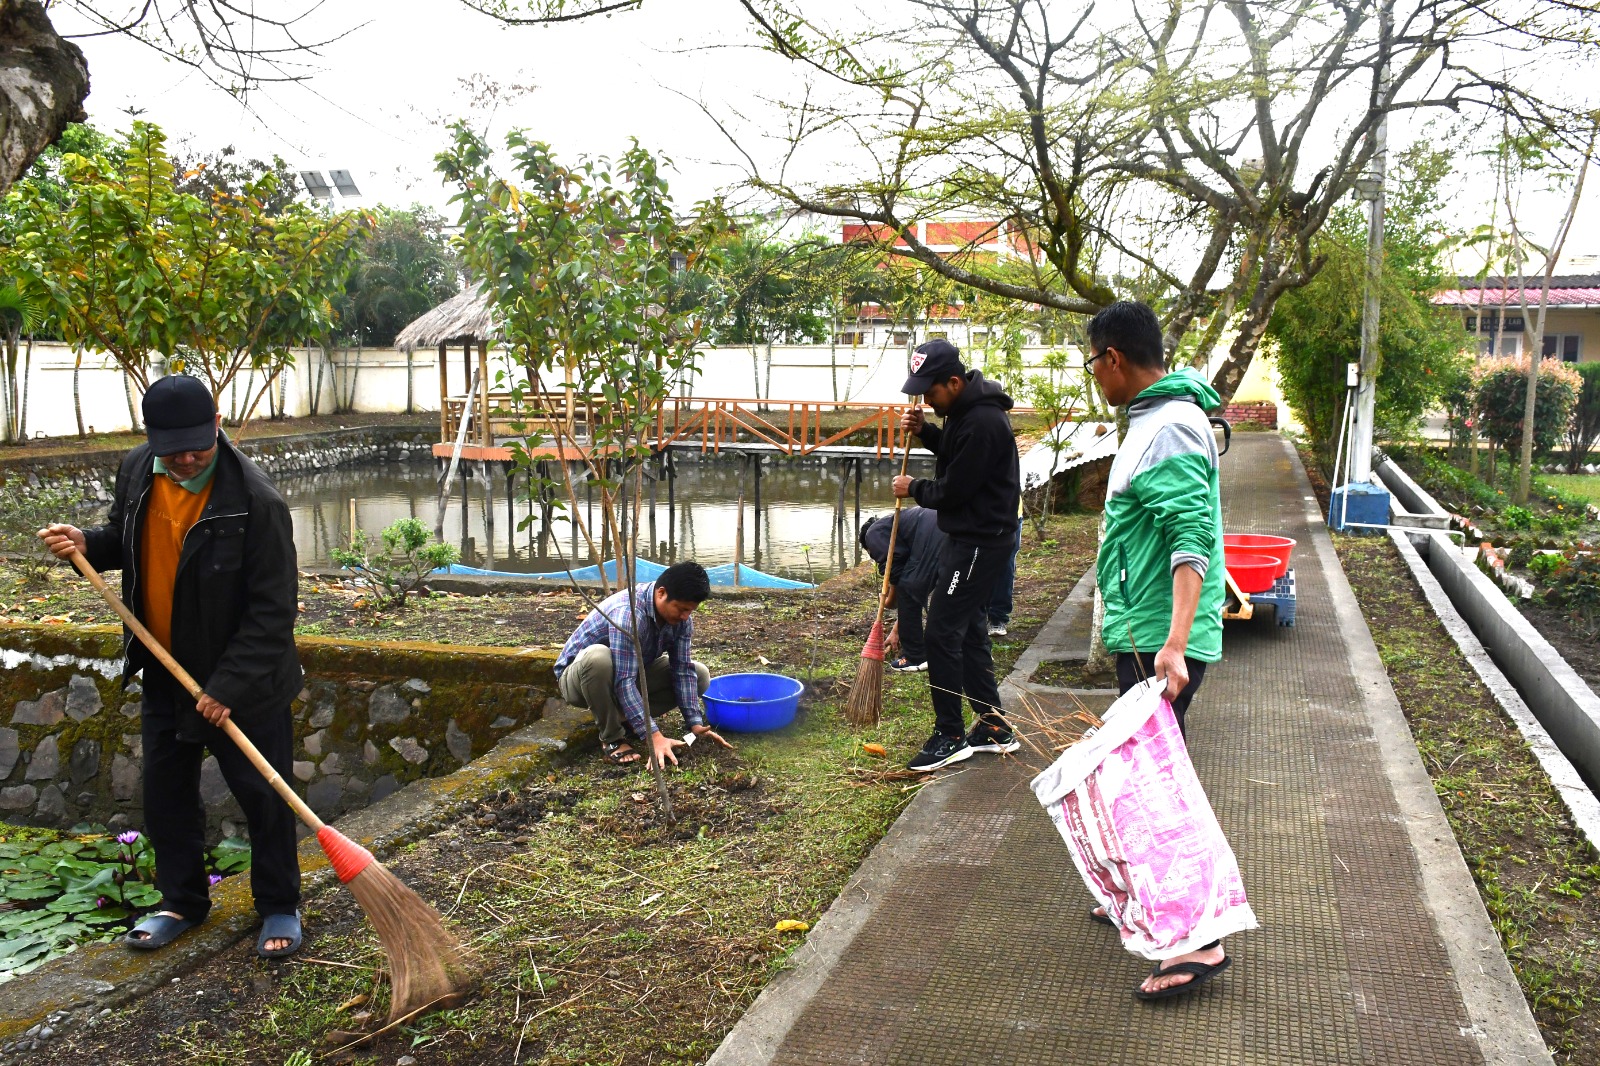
<point x="619" y="753"/>
<point x="1200" y="971"/>
<point x="280" y="927"/>
<point x="1097" y="915"/>
<point x="159" y="930"/>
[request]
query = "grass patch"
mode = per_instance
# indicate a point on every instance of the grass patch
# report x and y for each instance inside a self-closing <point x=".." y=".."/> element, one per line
<point x="1586" y="486"/>
<point x="1538" y="878"/>
<point x="605" y="935"/>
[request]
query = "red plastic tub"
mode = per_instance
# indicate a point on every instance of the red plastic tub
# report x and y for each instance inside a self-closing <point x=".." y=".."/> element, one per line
<point x="1261" y="544"/>
<point x="1252" y="573"/>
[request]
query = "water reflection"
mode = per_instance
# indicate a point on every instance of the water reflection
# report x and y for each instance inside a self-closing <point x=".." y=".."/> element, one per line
<point x="689" y="511"/>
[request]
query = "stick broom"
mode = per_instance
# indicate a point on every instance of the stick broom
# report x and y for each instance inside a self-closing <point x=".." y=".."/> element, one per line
<point x="425" y="961"/>
<point x="866" y="695"/>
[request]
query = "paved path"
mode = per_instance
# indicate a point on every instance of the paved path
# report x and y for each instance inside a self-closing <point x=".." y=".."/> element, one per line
<point x="963" y="939"/>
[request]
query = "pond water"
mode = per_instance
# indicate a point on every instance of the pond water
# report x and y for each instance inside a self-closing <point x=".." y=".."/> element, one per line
<point x="799" y="507"/>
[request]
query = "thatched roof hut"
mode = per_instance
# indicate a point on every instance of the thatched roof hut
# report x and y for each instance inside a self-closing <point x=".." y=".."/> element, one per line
<point x="462" y="318"/>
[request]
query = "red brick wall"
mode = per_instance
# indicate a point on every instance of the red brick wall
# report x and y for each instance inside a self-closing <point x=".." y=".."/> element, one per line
<point x="1265" y="414"/>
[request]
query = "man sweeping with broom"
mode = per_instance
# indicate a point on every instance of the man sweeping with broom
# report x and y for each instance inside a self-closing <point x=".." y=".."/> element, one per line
<point x="206" y="551"/>
<point x="975" y="490"/>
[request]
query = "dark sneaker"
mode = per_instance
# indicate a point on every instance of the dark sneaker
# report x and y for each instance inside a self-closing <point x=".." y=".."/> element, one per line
<point x="998" y="739"/>
<point x="903" y="665"/>
<point x="939" y="751"/>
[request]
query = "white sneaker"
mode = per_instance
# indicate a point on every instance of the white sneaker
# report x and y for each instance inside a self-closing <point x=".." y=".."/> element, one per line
<point x="997" y="629"/>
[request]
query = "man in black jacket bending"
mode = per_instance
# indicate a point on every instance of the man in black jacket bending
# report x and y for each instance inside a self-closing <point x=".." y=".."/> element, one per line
<point x="206" y="551"/>
<point x="975" y="490"/>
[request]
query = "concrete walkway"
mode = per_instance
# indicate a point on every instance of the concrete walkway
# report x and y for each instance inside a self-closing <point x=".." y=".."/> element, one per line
<point x="963" y="938"/>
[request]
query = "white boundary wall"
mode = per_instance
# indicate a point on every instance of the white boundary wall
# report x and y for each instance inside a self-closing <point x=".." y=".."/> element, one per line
<point x="796" y="372"/>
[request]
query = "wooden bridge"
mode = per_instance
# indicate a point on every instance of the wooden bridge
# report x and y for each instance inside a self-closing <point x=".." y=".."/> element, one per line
<point x="709" y="424"/>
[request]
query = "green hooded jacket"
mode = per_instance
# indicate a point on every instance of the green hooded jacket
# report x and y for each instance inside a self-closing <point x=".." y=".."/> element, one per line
<point x="1163" y="511"/>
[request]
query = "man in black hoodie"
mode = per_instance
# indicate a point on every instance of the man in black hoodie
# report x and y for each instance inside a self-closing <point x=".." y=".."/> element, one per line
<point x="975" y="490"/>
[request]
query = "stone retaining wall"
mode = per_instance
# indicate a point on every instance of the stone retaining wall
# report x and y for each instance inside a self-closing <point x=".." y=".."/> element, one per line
<point x="94" y="473"/>
<point x="371" y="718"/>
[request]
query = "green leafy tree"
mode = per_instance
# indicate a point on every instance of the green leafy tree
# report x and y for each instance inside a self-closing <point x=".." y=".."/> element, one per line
<point x="407" y="267"/>
<point x="225" y="173"/>
<point x="133" y="267"/>
<point x="1316" y="330"/>
<point x="1584" y="430"/>
<point x="579" y="261"/>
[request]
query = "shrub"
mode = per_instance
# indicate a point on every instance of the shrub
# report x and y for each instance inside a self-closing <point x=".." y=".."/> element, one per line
<point x="1501" y="390"/>
<point x="22" y="515"/>
<point x="404" y="564"/>
<point x="1544" y="564"/>
<point x="1584" y="430"/>
<point x="1575" y="587"/>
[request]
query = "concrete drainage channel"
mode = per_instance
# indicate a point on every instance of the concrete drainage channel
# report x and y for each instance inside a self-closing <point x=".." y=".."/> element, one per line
<point x="351" y="709"/>
<point x="1554" y="709"/>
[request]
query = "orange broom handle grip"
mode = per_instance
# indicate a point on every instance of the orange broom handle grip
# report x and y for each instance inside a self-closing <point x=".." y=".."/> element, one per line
<point x="279" y="785"/>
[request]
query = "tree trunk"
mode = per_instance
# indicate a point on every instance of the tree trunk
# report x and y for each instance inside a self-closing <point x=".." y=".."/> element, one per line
<point x="133" y="406"/>
<point x="77" y="400"/>
<point x="43" y="80"/>
<point x="22" y="408"/>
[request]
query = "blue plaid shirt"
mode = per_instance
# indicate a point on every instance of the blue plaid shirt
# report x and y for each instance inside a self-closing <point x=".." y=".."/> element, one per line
<point x="609" y="624"/>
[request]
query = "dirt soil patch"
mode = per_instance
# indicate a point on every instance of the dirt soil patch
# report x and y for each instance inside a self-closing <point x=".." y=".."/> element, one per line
<point x="1072" y="673"/>
<point x="603" y="933"/>
<point x="1538" y="877"/>
<point x="1581" y="653"/>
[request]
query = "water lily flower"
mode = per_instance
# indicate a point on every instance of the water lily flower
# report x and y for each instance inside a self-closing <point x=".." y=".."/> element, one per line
<point x="100" y="901"/>
<point x="130" y="837"/>
<point x="214" y="879"/>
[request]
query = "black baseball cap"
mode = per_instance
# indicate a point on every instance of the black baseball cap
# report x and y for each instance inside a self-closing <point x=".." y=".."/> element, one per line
<point x="179" y="415"/>
<point x="933" y="362"/>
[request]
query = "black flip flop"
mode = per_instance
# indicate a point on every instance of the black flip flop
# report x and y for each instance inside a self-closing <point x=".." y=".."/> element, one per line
<point x="159" y="929"/>
<point x="280" y="927"/>
<point x="611" y="753"/>
<point x="1103" y="919"/>
<point x="1202" y="973"/>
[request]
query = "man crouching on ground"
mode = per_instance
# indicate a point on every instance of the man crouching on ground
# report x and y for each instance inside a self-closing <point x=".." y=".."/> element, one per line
<point x="599" y="666"/>
<point x="206" y="551"/>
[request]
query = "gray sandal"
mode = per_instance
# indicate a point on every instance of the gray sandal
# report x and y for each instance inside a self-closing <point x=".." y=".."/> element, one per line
<point x="159" y="930"/>
<point x="280" y="927"/>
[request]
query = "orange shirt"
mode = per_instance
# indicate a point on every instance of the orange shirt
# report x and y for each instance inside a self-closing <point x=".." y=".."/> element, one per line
<point x="167" y="518"/>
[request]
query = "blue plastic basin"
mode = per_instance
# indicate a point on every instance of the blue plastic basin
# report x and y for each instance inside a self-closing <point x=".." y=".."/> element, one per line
<point x="752" y="703"/>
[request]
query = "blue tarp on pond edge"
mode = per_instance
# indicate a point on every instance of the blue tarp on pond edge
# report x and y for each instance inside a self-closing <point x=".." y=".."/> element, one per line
<point x="644" y="569"/>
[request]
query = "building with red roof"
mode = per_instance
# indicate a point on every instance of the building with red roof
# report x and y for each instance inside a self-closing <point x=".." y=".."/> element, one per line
<point x="1508" y="307"/>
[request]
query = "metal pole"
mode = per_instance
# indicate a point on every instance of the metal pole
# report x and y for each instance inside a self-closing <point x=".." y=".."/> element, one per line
<point x="1360" y="464"/>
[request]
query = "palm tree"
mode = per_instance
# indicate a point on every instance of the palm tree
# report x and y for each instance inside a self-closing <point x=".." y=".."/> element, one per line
<point x="19" y="314"/>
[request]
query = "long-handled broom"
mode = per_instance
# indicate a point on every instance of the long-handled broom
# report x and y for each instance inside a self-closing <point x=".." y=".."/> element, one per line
<point x="866" y="695"/>
<point x="425" y="960"/>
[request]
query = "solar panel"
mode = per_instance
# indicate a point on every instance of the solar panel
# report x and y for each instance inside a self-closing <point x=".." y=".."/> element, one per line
<point x="316" y="185"/>
<point x="341" y="179"/>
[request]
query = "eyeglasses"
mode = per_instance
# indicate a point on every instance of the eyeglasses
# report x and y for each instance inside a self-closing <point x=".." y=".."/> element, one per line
<point x="1088" y="364"/>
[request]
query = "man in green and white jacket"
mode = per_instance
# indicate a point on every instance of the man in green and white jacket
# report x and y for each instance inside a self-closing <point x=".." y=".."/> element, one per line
<point x="1160" y="566"/>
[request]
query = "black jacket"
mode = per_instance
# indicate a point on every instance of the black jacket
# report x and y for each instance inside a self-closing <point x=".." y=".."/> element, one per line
<point x="916" y="547"/>
<point x="976" y="487"/>
<point x="235" y="599"/>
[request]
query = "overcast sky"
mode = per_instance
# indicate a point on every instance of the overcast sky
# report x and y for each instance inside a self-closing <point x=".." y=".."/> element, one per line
<point x="378" y="98"/>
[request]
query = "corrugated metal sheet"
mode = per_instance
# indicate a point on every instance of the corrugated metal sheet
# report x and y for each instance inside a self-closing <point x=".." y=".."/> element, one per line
<point x="1565" y="297"/>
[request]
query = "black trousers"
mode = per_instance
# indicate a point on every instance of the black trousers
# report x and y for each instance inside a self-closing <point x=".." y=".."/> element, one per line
<point x="1130" y="672"/>
<point x="912" y="602"/>
<point x="175" y="818"/>
<point x="957" y="634"/>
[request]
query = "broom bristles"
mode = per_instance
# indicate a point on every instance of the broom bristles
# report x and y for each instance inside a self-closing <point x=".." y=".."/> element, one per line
<point x="425" y="960"/>
<point x="865" y="705"/>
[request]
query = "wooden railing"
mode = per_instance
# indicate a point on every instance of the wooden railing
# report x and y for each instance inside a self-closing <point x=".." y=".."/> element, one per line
<point x="793" y="427"/>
